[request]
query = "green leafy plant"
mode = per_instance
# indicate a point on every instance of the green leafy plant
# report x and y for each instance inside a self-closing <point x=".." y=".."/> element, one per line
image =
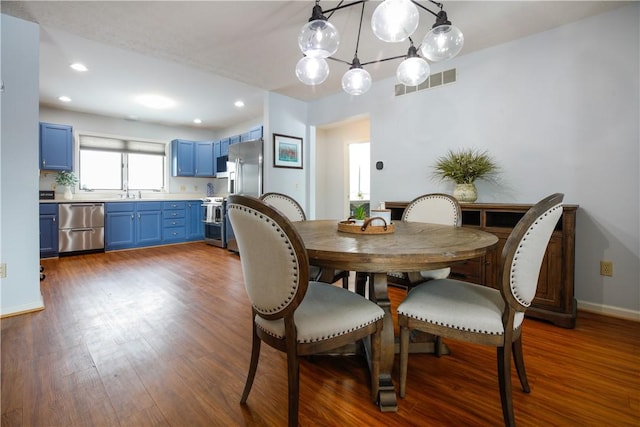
<point x="465" y="166"/>
<point x="66" y="178"/>
<point x="360" y="212"/>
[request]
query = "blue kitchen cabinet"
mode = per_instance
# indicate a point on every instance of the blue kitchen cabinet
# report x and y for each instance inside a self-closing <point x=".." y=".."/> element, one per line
<point x="132" y="224"/>
<point x="174" y="226"/>
<point x="246" y="136"/>
<point x="204" y="159"/>
<point x="216" y="155"/>
<point x="48" y="230"/>
<point x="234" y="139"/>
<point x="149" y="225"/>
<point x="255" y="132"/>
<point x="224" y="146"/>
<point x="56" y="147"/>
<point x="194" y="220"/>
<point x="119" y="225"/>
<point x="183" y="158"/>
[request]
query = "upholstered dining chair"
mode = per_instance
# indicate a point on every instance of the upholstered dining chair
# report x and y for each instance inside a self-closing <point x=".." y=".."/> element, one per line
<point x="290" y="313"/>
<point x="293" y="211"/>
<point x="483" y="315"/>
<point x="435" y="208"/>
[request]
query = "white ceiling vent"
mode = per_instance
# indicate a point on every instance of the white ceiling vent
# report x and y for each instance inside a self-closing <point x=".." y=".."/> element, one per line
<point x="434" y="80"/>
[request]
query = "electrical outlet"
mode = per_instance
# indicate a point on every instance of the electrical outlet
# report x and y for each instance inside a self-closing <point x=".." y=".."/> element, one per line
<point x="606" y="268"/>
<point x="183" y="188"/>
<point x="3" y="270"/>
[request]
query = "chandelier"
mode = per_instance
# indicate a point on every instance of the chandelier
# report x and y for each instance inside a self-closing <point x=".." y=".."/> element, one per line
<point x="393" y="21"/>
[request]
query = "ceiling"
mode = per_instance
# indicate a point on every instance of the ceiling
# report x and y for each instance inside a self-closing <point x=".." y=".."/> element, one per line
<point x="208" y="54"/>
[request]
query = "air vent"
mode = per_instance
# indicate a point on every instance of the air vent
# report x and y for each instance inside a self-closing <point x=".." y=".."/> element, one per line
<point x="434" y="80"/>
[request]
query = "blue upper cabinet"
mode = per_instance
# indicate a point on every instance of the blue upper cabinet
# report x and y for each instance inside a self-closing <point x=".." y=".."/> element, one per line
<point x="183" y="158"/>
<point x="204" y="159"/>
<point x="255" y="132"/>
<point x="224" y="146"/>
<point x="234" y="139"/>
<point x="56" y="147"/>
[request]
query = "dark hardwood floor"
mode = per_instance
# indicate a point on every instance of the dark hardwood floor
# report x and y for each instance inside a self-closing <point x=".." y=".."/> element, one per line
<point x="161" y="337"/>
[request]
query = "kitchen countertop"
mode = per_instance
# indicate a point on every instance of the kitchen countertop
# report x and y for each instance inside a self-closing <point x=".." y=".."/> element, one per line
<point x="146" y="197"/>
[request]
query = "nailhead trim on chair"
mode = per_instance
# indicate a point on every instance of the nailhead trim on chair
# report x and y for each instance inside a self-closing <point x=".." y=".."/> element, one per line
<point x="325" y="337"/>
<point x="514" y="264"/>
<point x="287" y="200"/>
<point x="322" y="338"/>
<point x="409" y="208"/>
<point x="460" y="328"/>
<point x="291" y="252"/>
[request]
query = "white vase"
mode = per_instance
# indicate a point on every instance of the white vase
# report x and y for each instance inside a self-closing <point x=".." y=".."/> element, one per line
<point x="68" y="195"/>
<point x="465" y="193"/>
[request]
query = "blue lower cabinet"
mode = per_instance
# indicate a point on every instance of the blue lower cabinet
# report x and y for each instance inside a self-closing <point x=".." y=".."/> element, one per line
<point x="194" y="220"/>
<point x="119" y="225"/>
<point x="174" y="227"/>
<point x="149" y="226"/>
<point x="139" y="224"/>
<point x="48" y="230"/>
<point x="132" y="224"/>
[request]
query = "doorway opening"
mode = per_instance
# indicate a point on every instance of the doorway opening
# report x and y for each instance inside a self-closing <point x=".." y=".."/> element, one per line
<point x="359" y="177"/>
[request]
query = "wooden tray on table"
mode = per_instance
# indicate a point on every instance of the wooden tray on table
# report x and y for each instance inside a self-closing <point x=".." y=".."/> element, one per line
<point x="349" y="226"/>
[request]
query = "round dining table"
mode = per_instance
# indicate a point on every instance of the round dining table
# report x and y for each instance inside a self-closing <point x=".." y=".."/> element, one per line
<point x="410" y="247"/>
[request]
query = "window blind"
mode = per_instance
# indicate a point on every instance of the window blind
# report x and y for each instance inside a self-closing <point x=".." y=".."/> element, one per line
<point x="101" y="143"/>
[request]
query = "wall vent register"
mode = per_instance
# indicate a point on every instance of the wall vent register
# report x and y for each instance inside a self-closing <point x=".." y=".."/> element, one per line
<point x="434" y="80"/>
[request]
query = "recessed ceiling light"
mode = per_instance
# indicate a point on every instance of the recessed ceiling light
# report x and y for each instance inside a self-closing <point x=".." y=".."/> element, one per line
<point x="64" y="98"/>
<point x="197" y="121"/>
<point x="239" y="104"/>
<point x="157" y="102"/>
<point x="78" y="66"/>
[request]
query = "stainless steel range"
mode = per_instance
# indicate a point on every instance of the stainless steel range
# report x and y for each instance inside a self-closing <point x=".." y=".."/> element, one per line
<point x="214" y="221"/>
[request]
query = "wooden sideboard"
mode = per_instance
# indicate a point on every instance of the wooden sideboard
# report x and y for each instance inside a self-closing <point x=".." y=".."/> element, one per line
<point x="554" y="301"/>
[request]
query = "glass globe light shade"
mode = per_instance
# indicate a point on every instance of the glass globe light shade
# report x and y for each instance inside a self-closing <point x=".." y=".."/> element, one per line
<point x="356" y="81"/>
<point x="312" y="71"/>
<point x="441" y="43"/>
<point x="413" y="71"/>
<point x="319" y="39"/>
<point x="394" y="20"/>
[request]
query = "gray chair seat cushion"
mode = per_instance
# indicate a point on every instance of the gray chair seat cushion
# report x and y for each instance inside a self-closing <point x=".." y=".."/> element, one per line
<point x="459" y="305"/>
<point x="326" y="311"/>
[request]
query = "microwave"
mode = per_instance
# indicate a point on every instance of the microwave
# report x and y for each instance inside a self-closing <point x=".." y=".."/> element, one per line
<point x="221" y="166"/>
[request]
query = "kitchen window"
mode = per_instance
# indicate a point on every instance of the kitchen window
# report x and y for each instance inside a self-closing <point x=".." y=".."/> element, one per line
<point x="121" y="164"/>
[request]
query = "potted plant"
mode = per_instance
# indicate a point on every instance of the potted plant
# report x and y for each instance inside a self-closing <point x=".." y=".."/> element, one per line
<point x="360" y="214"/>
<point x="464" y="167"/>
<point x="67" y="179"/>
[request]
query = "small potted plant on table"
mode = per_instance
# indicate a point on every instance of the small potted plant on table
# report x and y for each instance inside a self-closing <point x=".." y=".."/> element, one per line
<point x="360" y="214"/>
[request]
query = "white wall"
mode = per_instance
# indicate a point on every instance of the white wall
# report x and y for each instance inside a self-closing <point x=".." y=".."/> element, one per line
<point x="558" y="110"/>
<point x="19" y="232"/>
<point x="332" y="169"/>
<point x="287" y="116"/>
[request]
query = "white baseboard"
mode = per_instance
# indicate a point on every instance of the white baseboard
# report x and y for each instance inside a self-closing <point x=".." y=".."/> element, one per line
<point x="609" y="310"/>
<point x="22" y="309"/>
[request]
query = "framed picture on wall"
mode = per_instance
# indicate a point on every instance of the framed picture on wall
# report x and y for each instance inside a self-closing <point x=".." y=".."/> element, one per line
<point x="287" y="151"/>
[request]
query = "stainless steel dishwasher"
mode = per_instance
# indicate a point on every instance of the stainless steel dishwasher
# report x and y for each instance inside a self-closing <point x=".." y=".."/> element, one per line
<point x="81" y="227"/>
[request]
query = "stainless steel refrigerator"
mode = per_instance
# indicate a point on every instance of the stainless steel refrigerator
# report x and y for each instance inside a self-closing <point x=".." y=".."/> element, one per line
<point x="245" y="176"/>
